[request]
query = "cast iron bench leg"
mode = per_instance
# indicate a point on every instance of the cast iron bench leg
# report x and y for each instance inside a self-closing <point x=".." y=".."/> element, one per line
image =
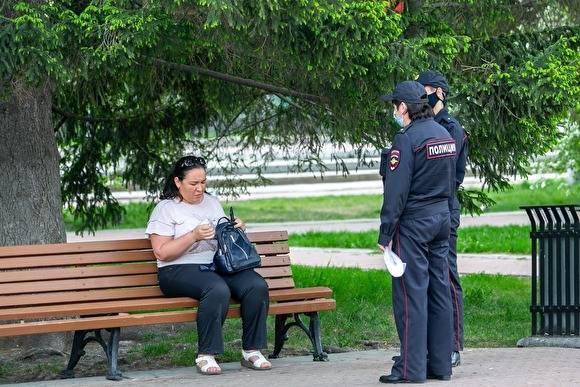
<point x="315" y="337"/>
<point x="313" y="333"/>
<point x="112" y="351"/>
<point x="76" y="353"/>
<point x="280" y="335"/>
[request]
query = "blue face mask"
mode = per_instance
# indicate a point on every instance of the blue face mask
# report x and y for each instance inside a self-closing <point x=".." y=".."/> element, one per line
<point x="398" y="120"/>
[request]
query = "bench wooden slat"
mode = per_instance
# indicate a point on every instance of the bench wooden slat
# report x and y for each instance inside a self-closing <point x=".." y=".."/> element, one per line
<point x="280" y="283"/>
<point x="105" y="282"/>
<point x="101" y="258"/>
<point x="75" y="247"/>
<point x="139" y="293"/>
<point x="276" y="260"/>
<point x="79" y="272"/>
<point x="96" y="308"/>
<point x="300" y="293"/>
<point x="267" y="236"/>
<point x="85" y="258"/>
<point x="116" y="245"/>
<point x="134" y="305"/>
<point x="124" y="320"/>
<point x="274" y="272"/>
<point x="73" y="284"/>
<point x="79" y="296"/>
<point x="273" y="249"/>
<point x="106" y="271"/>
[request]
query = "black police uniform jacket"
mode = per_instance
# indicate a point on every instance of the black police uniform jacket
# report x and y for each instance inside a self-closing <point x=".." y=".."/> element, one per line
<point x="417" y="175"/>
<point x="458" y="133"/>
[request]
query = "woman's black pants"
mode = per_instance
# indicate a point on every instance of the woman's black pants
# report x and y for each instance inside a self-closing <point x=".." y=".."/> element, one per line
<point x="213" y="292"/>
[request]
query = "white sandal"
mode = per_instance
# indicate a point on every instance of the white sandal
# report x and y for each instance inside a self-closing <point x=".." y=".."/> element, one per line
<point x="256" y="364"/>
<point x="209" y="363"/>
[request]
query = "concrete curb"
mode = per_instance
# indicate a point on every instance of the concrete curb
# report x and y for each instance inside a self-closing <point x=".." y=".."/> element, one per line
<point x="549" y="341"/>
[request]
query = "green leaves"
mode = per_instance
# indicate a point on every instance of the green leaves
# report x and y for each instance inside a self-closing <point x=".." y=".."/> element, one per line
<point x="526" y="87"/>
<point x="512" y="67"/>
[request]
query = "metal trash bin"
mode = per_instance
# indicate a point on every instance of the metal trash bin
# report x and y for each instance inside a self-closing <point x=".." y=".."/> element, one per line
<point x="555" y="236"/>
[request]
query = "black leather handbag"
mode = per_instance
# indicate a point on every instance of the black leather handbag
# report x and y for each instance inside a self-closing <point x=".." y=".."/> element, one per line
<point x="235" y="251"/>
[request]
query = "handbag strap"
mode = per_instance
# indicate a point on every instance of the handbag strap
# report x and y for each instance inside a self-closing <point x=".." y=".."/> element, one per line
<point x="224" y="219"/>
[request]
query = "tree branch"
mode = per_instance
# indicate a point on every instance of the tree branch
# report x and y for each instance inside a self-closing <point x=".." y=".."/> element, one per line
<point x="238" y="80"/>
<point x="60" y="123"/>
<point x="80" y="117"/>
<point x="111" y="118"/>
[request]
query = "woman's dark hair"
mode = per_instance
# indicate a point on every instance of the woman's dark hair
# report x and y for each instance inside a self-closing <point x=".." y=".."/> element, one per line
<point x="180" y="168"/>
<point x="417" y="110"/>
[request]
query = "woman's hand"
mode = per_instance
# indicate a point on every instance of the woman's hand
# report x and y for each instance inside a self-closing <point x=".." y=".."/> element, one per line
<point x="203" y="231"/>
<point x="167" y="248"/>
<point x="239" y="224"/>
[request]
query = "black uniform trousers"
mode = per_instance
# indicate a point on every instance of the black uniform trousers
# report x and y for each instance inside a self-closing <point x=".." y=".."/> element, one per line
<point x="213" y="292"/>
<point x="421" y="297"/>
<point x="455" y="284"/>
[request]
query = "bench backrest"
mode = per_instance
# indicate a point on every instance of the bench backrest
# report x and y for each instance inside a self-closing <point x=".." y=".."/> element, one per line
<point x="35" y="275"/>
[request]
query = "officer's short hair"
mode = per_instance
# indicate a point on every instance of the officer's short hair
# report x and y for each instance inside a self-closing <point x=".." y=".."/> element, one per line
<point x="417" y="110"/>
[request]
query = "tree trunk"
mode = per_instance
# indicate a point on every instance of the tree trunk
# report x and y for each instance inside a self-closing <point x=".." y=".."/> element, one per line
<point x="30" y="199"/>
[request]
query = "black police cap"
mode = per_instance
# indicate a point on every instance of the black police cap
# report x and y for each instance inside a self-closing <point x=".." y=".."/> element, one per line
<point x="434" y="79"/>
<point x="407" y="91"/>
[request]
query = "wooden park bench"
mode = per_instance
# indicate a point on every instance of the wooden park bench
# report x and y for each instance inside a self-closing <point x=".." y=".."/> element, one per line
<point x="87" y="287"/>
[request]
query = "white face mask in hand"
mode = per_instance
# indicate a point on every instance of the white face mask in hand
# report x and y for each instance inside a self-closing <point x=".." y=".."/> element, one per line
<point x="394" y="264"/>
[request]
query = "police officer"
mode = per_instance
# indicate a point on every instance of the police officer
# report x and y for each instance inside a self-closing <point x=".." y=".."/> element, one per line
<point x="437" y="88"/>
<point x="415" y="223"/>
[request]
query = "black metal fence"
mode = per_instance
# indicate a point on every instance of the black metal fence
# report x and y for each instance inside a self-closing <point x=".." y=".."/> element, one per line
<point x="555" y="239"/>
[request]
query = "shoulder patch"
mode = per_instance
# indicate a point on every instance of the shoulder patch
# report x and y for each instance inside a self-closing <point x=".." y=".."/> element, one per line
<point x="394" y="159"/>
<point x="437" y="149"/>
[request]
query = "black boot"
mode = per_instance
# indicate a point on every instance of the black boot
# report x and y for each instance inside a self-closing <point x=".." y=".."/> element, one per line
<point x="394" y="379"/>
<point x="438" y="377"/>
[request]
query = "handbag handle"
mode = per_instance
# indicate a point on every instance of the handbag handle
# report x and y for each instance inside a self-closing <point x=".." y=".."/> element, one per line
<point x="231" y="220"/>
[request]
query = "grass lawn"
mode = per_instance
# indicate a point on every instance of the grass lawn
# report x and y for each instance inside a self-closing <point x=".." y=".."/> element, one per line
<point x="526" y="194"/>
<point x="496" y="315"/>
<point x="480" y="239"/>
<point x="354" y="207"/>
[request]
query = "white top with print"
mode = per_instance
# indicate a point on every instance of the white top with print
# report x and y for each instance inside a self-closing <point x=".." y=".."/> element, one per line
<point x="175" y="218"/>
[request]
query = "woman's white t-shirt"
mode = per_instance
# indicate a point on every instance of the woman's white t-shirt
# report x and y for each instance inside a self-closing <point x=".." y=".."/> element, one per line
<point x="173" y="217"/>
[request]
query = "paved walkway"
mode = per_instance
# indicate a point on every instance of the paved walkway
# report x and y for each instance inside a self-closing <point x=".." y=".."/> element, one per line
<point x="507" y="264"/>
<point x="480" y="367"/>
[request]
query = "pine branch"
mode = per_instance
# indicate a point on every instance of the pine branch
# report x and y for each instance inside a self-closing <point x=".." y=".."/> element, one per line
<point x="239" y="80"/>
<point x="112" y="118"/>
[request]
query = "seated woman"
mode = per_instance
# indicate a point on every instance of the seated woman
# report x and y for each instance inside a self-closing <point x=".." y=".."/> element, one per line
<point x="181" y="229"/>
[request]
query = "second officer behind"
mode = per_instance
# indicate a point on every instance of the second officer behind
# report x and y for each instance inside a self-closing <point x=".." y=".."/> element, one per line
<point x="437" y="88"/>
<point x="415" y="222"/>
